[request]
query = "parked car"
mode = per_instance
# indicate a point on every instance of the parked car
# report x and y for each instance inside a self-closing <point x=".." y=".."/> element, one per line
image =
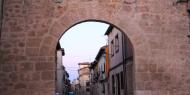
<point x="71" y="93"/>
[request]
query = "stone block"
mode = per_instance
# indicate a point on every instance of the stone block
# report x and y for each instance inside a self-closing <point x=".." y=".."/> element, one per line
<point x="152" y="67"/>
<point x="20" y="86"/>
<point x="156" y="76"/>
<point x="129" y="1"/>
<point x="41" y="66"/>
<point x="8" y="68"/>
<point x="35" y="76"/>
<point x="143" y="76"/>
<point x="48" y="75"/>
<point x="33" y="42"/>
<point x="46" y="50"/>
<point x="13" y="77"/>
<point x="143" y="92"/>
<point x="26" y="67"/>
<point x="142" y="9"/>
<point x="32" y="51"/>
<point x="143" y="66"/>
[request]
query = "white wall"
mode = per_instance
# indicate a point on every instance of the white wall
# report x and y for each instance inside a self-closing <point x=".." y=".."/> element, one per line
<point x="60" y="72"/>
<point x="117" y="58"/>
<point x="114" y="72"/>
<point x="101" y="65"/>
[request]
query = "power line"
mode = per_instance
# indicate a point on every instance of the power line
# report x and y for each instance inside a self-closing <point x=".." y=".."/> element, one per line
<point x="71" y="67"/>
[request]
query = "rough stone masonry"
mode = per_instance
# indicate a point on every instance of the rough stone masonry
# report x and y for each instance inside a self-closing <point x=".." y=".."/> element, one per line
<point x="158" y="30"/>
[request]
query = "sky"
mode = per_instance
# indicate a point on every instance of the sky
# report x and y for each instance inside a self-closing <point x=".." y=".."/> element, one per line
<point x="82" y="43"/>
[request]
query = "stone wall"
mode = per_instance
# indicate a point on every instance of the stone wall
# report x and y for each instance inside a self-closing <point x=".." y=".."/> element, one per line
<point x="158" y="30"/>
<point x="28" y="68"/>
<point x="1" y="15"/>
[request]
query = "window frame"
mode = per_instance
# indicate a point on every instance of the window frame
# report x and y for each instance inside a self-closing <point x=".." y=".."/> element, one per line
<point x="112" y="48"/>
<point x="116" y="43"/>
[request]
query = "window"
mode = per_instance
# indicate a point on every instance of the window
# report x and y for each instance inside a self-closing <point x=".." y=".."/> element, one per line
<point x="87" y="89"/>
<point x="122" y="83"/>
<point x="104" y="67"/>
<point x="113" y="85"/>
<point x="118" y="84"/>
<point x="87" y="83"/>
<point x="103" y="90"/>
<point x="112" y="48"/>
<point x="116" y="43"/>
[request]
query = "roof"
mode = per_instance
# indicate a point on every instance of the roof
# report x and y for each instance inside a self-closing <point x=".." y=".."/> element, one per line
<point x="58" y="47"/>
<point x="109" y="30"/>
<point x="67" y="74"/>
<point x="83" y="68"/>
<point x="101" y="51"/>
<point x="84" y="63"/>
<point x="93" y="64"/>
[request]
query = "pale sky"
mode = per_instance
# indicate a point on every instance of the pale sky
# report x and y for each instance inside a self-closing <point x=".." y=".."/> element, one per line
<point x="82" y="43"/>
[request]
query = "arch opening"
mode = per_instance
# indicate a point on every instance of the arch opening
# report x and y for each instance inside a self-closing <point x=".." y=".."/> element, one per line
<point x="114" y="75"/>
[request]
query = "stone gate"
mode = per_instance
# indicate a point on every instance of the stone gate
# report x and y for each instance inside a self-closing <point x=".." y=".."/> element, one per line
<point x="158" y="30"/>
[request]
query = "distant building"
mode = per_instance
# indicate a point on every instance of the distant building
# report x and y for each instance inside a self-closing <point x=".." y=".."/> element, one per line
<point x="94" y="75"/>
<point x="120" y="61"/>
<point x="76" y="86"/>
<point x="99" y="73"/>
<point x="84" y="74"/>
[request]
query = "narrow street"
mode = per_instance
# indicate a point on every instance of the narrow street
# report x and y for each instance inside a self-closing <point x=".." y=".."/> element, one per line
<point x="110" y="73"/>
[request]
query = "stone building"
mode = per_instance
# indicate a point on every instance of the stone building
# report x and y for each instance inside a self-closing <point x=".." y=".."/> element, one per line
<point x="157" y="29"/>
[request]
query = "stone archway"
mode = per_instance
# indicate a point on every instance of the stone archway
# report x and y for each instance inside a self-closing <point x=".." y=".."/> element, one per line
<point x="127" y="24"/>
<point x="128" y="62"/>
<point x="158" y="30"/>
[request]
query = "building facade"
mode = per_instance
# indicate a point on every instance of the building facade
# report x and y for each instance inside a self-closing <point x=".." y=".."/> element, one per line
<point x="84" y="78"/>
<point x="94" y="76"/>
<point x="102" y="70"/>
<point x="62" y="77"/>
<point x="120" y="54"/>
<point x="99" y="73"/>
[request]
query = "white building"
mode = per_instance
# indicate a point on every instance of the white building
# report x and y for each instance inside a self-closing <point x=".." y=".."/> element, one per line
<point x="61" y="74"/>
<point x="120" y="55"/>
<point x="102" y="62"/>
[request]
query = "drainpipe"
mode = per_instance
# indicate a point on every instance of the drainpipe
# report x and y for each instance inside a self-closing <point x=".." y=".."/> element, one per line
<point x="124" y="64"/>
<point x="1" y="15"/>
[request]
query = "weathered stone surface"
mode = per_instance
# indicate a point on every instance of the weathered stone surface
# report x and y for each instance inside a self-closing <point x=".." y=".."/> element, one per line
<point x="47" y="75"/>
<point x="20" y="86"/>
<point x="41" y="66"/>
<point x="158" y="30"/>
